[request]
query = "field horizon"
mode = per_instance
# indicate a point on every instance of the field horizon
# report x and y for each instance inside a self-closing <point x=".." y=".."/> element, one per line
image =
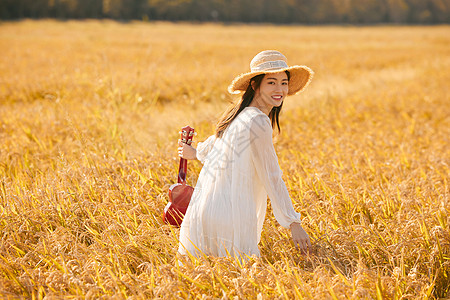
<point x="89" y="119"/>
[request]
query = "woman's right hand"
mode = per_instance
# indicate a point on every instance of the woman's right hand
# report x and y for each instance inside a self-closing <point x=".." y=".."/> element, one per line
<point x="186" y="151"/>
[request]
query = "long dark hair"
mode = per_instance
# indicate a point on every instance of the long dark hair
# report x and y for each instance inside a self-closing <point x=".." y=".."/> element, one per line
<point x="233" y="111"/>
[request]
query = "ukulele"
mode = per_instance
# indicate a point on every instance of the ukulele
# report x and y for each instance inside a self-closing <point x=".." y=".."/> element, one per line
<point x="179" y="193"/>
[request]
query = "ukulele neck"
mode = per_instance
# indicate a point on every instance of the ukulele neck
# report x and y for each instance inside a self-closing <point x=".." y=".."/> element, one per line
<point x="187" y="134"/>
<point x="182" y="171"/>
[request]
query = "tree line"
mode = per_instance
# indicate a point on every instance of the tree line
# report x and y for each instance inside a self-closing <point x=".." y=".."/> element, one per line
<point x="271" y="11"/>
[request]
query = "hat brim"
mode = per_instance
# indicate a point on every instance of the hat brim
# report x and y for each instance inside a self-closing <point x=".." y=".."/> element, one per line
<point x="300" y="77"/>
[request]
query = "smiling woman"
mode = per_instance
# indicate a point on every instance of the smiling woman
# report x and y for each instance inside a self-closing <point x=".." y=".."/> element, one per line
<point x="228" y="206"/>
<point x="253" y="97"/>
<point x="271" y="92"/>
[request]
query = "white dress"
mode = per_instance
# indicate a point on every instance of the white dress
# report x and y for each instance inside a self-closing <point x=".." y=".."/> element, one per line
<point x="228" y="206"/>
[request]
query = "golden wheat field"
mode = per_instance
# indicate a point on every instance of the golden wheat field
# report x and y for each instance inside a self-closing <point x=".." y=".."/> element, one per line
<point x="89" y="118"/>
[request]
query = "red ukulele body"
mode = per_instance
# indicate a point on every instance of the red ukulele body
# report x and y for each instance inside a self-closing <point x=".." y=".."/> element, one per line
<point x="179" y="193"/>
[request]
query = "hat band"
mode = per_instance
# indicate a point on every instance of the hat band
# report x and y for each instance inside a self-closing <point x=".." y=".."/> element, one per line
<point x="270" y="66"/>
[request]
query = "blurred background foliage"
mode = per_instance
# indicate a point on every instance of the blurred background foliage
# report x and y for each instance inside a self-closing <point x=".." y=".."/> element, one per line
<point x="281" y="11"/>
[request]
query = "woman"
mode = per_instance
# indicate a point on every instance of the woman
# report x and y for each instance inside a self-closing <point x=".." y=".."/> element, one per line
<point x="240" y="166"/>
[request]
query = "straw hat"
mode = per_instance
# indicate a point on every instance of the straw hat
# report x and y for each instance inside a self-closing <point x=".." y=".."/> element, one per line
<point x="272" y="61"/>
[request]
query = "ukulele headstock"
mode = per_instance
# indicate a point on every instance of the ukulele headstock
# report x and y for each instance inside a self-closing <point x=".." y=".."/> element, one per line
<point x="187" y="133"/>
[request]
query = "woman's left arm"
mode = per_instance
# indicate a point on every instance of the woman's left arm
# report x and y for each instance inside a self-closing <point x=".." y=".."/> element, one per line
<point x="270" y="174"/>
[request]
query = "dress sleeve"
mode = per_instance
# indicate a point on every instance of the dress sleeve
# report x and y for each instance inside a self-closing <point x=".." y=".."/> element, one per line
<point x="203" y="148"/>
<point x="266" y="164"/>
